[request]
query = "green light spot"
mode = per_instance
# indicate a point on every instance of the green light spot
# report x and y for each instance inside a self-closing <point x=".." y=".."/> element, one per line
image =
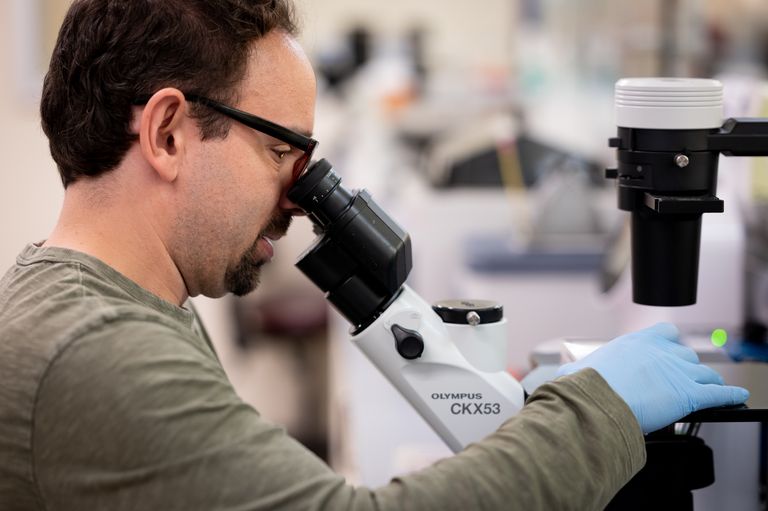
<point x="719" y="337"/>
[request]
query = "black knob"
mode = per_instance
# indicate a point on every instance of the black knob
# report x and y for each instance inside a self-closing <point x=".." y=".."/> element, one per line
<point x="408" y="343"/>
<point x="469" y="312"/>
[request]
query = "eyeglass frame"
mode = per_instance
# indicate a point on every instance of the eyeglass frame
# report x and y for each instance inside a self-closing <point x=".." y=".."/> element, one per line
<point x="281" y="133"/>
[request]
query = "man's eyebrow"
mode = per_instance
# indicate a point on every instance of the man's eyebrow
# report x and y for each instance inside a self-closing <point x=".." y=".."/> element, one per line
<point x="300" y="131"/>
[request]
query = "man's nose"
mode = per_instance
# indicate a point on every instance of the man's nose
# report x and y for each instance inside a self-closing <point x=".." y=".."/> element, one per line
<point x="288" y="205"/>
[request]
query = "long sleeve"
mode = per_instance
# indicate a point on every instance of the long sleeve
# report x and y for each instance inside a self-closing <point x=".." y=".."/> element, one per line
<point x="573" y="446"/>
<point x="135" y="416"/>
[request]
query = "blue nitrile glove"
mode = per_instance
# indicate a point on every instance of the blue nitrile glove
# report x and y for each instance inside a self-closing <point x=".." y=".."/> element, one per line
<point x="661" y="380"/>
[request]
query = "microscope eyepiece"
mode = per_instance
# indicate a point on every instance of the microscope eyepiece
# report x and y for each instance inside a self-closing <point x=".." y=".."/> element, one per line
<point x="319" y="194"/>
<point x="361" y="257"/>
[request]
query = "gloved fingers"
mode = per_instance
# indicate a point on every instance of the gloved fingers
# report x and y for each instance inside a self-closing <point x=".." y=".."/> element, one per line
<point x="702" y="374"/>
<point x="679" y="350"/>
<point x="712" y="395"/>
<point x="665" y="330"/>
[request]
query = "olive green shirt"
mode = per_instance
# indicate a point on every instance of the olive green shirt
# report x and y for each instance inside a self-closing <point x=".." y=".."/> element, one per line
<point x="112" y="399"/>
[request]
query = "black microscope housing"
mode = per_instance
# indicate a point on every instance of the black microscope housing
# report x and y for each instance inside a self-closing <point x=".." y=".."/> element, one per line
<point x="361" y="257"/>
<point x="667" y="179"/>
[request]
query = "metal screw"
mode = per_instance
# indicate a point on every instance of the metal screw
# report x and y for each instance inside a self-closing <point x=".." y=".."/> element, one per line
<point x="682" y="160"/>
<point x="473" y="318"/>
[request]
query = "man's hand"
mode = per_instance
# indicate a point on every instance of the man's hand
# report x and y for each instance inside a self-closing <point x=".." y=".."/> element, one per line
<point x="660" y="379"/>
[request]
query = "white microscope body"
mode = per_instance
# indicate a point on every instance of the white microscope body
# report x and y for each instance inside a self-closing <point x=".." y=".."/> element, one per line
<point x="449" y="360"/>
<point x="459" y="384"/>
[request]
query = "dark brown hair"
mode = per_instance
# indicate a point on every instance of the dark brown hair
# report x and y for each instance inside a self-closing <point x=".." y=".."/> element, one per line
<point x="111" y="52"/>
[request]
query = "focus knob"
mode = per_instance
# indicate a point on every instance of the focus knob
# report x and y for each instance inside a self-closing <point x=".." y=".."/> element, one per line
<point x="408" y="343"/>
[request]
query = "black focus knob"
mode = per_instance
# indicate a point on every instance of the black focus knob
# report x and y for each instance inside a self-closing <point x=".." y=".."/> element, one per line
<point x="408" y="343"/>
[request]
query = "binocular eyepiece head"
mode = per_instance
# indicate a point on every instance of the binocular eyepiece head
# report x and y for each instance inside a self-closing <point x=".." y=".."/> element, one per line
<point x="362" y="257"/>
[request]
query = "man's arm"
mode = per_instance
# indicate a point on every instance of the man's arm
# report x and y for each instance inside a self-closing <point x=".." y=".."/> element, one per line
<point x="135" y="416"/>
<point x="573" y="446"/>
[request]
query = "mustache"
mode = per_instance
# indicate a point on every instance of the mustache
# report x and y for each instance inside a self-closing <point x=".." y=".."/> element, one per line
<point x="278" y="225"/>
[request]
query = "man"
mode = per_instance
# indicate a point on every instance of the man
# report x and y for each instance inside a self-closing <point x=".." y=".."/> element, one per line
<point x="111" y="396"/>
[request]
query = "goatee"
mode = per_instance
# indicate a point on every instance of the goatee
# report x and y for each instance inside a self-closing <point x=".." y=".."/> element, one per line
<point x="244" y="277"/>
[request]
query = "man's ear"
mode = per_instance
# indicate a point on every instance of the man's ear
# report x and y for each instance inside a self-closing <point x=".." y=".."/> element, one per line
<point x="160" y="135"/>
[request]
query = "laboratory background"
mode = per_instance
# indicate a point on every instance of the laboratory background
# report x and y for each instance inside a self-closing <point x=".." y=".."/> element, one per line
<point x="482" y="127"/>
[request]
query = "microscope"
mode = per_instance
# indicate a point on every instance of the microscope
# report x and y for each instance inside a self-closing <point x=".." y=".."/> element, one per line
<point x="448" y="359"/>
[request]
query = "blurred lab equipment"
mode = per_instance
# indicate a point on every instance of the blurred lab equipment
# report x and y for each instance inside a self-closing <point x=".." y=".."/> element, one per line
<point x="528" y="222"/>
<point x="340" y="63"/>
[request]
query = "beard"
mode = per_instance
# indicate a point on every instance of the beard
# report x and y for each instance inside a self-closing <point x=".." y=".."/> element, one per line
<point x="244" y="276"/>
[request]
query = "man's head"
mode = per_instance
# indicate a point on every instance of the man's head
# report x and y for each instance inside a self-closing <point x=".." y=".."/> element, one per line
<point x="110" y="52"/>
<point x="114" y="108"/>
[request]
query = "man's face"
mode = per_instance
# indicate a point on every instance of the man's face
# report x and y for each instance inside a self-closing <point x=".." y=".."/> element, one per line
<point x="234" y="201"/>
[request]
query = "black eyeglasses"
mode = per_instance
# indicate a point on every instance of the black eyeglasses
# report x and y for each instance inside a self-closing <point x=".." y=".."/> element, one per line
<point x="281" y="133"/>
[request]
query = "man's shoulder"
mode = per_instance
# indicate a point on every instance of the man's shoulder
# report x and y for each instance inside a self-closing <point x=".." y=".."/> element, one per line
<point x="53" y="297"/>
<point x="64" y="330"/>
<point x="43" y="312"/>
<point x="132" y="331"/>
<point x="82" y="334"/>
<point x="49" y="308"/>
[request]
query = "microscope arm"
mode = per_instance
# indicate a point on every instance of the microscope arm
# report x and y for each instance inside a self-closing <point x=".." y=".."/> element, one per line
<point x="741" y="137"/>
